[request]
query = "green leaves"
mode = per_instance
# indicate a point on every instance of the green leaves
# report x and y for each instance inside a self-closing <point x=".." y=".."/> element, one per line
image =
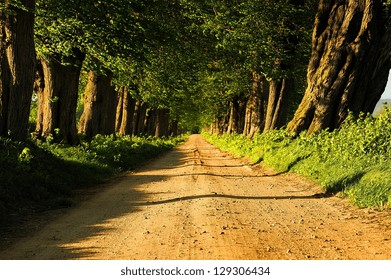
<point x="187" y="55"/>
<point x="12" y="6"/>
<point x="262" y="32"/>
<point x="102" y="29"/>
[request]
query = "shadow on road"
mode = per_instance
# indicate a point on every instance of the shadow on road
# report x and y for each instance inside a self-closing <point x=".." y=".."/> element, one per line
<point x="62" y="238"/>
<point x="225" y="196"/>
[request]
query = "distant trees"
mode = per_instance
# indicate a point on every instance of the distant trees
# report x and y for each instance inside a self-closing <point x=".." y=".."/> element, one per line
<point x="267" y="42"/>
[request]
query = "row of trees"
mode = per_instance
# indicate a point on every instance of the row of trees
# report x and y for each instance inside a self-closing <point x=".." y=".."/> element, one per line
<point x="347" y="72"/>
<point x="274" y="56"/>
<point x="155" y="65"/>
<point x="50" y="43"/>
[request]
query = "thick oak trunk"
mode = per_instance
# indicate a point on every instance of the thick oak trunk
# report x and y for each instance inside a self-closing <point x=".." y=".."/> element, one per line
<point x="120" y="108"/>
<point x="17" y="69"/>
<point x="223" y="123"/>
<point x="162" y="122"/>
<point x="236" y="115"/>
<point x="4" y="83"/>
<point x="100" y="101"/>
<point x="39" y="88"/>
<point x="241" y="111"/>
<point x="137" y="108"/>
<point x="233" y="116"/>
<point x="125" y="112"/>
<point x="139" y="118"/>
<point x="173" y="128"/>
<point x="254" y="121"/>
<point x="277" y="105"/>
<point x="215" y="127"/>
<point x="57" y="102"/>
<point x="151" y="121"/>
<point x="349" y="64"/>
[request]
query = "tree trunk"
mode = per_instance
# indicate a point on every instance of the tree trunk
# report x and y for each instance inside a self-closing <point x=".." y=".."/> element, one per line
<point x="162" y="122"/>
<point x="139" y="118"/>
<point x="349" y="64"/>
<point x="100" y="101"/>
<point x="241" y="115"/>
<point x="222" y="124"/>
<point x="236" y="120"/>
<point x="57" y="102"/>
<point x="17" y="69"/>
<point x="254" y="121"/>
<point x="151" y="122"/>
<point x="127" y="115"/>
<point x="214" y="126"/>
<point x="39" y="88"/>
<point x="211" y="127"/>
<point x="125" y="112"/>
<point x="4" y="82"/>
<point x="233" y="116"/>
<point x="173" y="128"/>
<point x="137" y="107"/>
<point x="277" y="105"/>
<point x="120" y="109"/>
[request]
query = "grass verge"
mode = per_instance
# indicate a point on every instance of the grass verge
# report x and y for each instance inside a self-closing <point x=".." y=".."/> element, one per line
<point x="354" y="161"/>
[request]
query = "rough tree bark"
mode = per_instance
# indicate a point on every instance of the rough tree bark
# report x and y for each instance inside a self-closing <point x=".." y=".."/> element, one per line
<point x="17" y="54"/>
<point x="241" y="110"/>
<point x="254" y="121"/>
<point x="120" y="108"/>
<point x="137" y="107"/>
<point x="277" y="105"/>
<point x="125" y="112"/>
<point x="173" y="128"/>
<point x="236" y="115"/>
<point x="39" y="88"/>
<point x="100" y="101"/>
<point x="215" y="126"/>
<point x="162" y="122"/>
<point x="4" y="82"/>
<point x="139" y="118"/>
<point x="57" y="96"/>
<point x="349" y="65"/>
<point x="221" y="123"/>
<point x="151" y="122"/>
<point x="233" y="116"/>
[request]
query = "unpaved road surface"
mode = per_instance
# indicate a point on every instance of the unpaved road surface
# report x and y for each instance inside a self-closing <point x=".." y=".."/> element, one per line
<point x="198" y="203"/>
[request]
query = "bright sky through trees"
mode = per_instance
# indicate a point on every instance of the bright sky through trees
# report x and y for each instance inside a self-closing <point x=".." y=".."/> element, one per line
<point x="387" y="92"/>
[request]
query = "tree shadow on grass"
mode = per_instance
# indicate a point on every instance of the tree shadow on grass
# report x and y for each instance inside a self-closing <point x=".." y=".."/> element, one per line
<point x="345" y="182"/>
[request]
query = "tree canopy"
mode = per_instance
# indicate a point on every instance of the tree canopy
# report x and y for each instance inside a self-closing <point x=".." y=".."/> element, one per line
<point x="201" y="60"/>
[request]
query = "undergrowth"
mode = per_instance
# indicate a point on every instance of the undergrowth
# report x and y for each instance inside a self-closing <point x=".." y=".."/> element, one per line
<point x="37" y="175"/>
<point x="354" y="161"/>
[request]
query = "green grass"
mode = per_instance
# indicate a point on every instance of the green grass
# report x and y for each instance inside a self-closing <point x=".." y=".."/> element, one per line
<point x="354" y="161"/>
<point x="37" y="176"/>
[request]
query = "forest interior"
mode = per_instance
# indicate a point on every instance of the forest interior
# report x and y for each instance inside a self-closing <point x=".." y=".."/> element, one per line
<point x="244" y="127"/>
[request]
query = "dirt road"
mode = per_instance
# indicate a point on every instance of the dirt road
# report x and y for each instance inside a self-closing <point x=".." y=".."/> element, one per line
<point x="198" y="203"/>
